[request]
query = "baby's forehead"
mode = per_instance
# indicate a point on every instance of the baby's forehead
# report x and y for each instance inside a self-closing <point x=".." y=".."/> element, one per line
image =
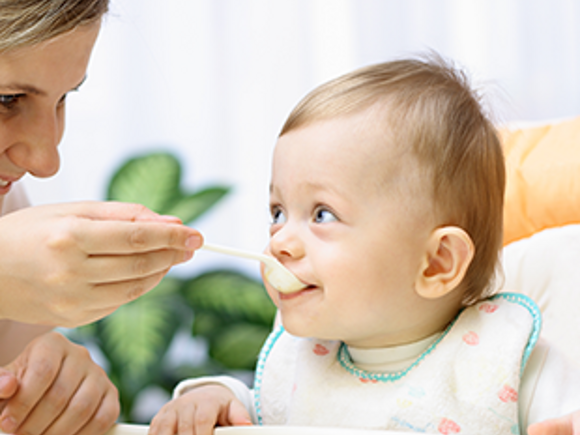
<point x="390" y="159"/>
<point x="363" y="142"/>
<point x="386" y="140"/>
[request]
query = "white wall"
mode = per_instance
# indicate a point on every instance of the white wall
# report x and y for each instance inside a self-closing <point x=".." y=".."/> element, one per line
<point x="213" y="80"/>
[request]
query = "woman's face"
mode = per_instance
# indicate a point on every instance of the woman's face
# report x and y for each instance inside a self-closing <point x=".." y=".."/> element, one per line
<point x="34" y="82"/>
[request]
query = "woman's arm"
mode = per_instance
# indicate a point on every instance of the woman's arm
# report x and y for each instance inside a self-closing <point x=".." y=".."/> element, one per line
<point x="14" y="336"/>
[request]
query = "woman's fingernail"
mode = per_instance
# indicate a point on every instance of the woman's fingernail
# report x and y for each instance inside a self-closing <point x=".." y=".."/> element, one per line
<point x="8" y="424"/>
<point x="193" y="242"/>
<point x="188" y="255"/>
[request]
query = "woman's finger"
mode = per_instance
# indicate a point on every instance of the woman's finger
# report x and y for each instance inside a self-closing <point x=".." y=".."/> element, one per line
<point x="118" y="293"/>
<point x="102" y="420"/>
<point x="105" y="269"/>
<point x="56" y="399"/>
<point x="112" y="210"/>
<point x="36" y="368"/>
<point x="8" y="384"/>
<point x="106" y="298"/>
<point x="80" y="409"/>
<point x="120" y="237"/>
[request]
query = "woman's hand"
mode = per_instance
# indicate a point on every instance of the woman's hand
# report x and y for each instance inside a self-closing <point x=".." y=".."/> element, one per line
<point x="198" y="411"/>
<point x="54" y="388"/>
<point x="71" y="264"/>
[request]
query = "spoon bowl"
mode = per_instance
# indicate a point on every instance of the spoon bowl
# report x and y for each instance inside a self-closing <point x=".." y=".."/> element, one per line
<point x="281" y="278"/>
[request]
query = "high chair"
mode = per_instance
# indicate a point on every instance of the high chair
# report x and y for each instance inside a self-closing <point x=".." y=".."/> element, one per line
<point x="541" y="256"/>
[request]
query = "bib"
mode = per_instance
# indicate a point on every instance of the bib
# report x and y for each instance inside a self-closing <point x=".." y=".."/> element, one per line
<point x="467" y="381"/>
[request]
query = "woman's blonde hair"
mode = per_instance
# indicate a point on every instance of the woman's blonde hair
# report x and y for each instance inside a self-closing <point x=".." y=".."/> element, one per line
<point x="28" y="22"/>
<point x="432" y="109"/>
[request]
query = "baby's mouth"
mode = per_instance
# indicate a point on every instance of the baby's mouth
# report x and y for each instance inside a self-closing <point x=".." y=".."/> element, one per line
<point x="4" y="183"/>
<point x="306" y="289"/>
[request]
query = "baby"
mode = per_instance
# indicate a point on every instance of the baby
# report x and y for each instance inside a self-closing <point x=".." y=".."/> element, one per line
<point x="386" y="201"/>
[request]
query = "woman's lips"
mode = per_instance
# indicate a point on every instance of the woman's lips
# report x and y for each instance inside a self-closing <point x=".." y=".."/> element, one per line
<point x="6" y="183"/>
<point x="6" y="180"/>
<point x="5" y="186"/>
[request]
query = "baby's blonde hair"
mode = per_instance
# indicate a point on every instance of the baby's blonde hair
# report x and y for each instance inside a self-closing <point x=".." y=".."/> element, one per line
<point x="433" y="111"/>
<point x="29" y="22"/>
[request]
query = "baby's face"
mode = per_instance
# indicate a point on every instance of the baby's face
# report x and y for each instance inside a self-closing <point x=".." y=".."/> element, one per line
<point x="351" y="217"/>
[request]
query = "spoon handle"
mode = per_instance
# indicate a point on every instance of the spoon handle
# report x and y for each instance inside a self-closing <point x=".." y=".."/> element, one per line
<point x="235" y="252"/>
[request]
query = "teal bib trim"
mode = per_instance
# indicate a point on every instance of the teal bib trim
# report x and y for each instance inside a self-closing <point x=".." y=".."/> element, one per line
<point x="266" y="349"/>
<point x="536" y="314"/>
<point x="523" y="300"/>
<point x="346" y="362"/>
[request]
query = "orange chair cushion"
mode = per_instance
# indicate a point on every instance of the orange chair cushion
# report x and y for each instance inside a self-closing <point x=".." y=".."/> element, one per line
<point x="543" y="178"/>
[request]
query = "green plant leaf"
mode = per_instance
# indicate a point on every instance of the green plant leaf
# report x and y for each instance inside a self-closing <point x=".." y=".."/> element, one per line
<point x="207" y="324"/>
<point x="154" y="181"/>
<point x="151" y="180"/>
<point x="188" y="208"/>
<point x="233" y="295"/>
<point x="238" y="345"/>
<point x="136" y="336"/>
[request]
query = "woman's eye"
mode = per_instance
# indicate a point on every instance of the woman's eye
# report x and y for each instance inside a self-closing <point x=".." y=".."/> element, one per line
<point x="323" y="216"/>
<point x="278" y="217"/>
<point x="9" y="100"/>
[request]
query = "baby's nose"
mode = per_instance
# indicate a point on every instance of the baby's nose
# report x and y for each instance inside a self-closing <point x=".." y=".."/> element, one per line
<point x="286" y="243"/>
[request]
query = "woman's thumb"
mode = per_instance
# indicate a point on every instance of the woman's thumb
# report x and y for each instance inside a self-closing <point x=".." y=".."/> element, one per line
<point x="8" y="384"/>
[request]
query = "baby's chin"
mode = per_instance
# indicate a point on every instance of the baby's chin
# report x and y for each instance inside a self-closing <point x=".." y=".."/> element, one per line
<point x="298" y="328"/>
<point x="295" y="327"/>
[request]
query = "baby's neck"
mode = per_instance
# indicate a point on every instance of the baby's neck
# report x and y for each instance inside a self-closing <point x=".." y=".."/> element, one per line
<point x="390" y="359"/>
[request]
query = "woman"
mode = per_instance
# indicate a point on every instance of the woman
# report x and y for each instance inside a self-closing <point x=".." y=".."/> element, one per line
<point x="69" y="264"/>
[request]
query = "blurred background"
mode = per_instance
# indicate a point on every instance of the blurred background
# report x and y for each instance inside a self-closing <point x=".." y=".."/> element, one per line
<point x="211" y="82"/>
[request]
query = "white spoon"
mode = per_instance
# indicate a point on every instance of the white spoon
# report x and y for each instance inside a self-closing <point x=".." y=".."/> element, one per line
<point x="281" y="278"/>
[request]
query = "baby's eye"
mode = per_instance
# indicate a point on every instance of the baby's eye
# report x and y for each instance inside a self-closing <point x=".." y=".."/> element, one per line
<point x="278" y="216"/>
<point x="324" y="216"/>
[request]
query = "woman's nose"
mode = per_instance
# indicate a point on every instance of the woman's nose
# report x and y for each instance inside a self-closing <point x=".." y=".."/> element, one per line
<point x="35" y="149"/>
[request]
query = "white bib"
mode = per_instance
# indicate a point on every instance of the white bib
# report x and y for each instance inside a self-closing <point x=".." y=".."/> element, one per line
<point x="465" y="382"/>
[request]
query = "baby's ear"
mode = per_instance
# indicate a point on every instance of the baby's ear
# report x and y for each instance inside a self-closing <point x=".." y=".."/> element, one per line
<point x="449" y="253"/>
